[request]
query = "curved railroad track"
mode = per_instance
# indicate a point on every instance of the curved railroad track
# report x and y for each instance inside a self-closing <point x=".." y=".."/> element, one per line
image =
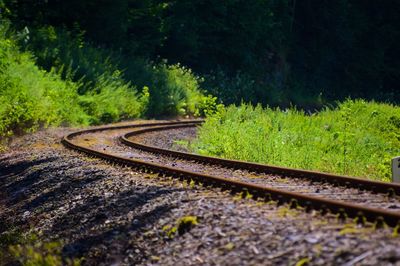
<point x="366" y="200"/>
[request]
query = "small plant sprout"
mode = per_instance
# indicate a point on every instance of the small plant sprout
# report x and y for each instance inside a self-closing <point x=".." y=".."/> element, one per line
<point x="380" y="223"/>
<point x="360" y="219"/>
<point x="396" y="231"/>
<point x="248" y="195"/>
<point x="183" y="225"/>
<point x="186" y="223"/>
<point x="341" y="215"/>
<point x="303" y="262"/>
<point x="238" y="196"/>
<point x="192" y="184"/>
<point x="169" y="230"/>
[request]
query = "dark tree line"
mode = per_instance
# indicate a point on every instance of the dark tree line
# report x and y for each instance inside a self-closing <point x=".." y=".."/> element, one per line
<point x="293" y="49"/>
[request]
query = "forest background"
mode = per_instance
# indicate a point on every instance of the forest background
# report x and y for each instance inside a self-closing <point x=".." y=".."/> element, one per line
<point x="277" y="52"/>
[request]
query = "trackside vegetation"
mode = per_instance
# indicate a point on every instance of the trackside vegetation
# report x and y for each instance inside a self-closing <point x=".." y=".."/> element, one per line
<point x="356" y="138"/>
<point x="31" y="97"/>
<point x="51" y="77"/>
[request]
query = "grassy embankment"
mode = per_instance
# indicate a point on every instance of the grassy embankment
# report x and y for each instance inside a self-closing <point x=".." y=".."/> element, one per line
<point x="357" y="138"/>
<point x="51" y="77"/>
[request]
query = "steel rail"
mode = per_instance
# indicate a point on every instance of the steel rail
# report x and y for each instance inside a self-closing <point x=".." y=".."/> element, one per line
<point x="295" y="199"/>
<point x="339" y="180"/>
<point x="152" y="124"/>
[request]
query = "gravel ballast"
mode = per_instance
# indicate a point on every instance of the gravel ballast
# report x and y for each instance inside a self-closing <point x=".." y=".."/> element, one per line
<point x="112" y="215"/>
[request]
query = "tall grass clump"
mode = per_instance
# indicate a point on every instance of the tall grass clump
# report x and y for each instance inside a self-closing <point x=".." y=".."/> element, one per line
<point x="356" y="138"/>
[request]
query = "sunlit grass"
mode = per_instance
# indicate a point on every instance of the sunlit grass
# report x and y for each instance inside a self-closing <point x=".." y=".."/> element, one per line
<point x="357" y="138"/>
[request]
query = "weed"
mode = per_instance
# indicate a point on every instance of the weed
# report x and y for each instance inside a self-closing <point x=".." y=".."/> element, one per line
<point x="349" y="230"/>
<point x="26" y="249"/>
<point x="186" y="223"/>
<point x="303" y="261"/>
<point x="183" y="225"/>
<point x="248" y="195"/>
<point x="238" y="196"/>
<point x="192" y="184"/>
<point x="352" y="228"/>
<point x="396" y="231"/>
<point x="170" y="231"/>
<point x="286" y="211"/>
<point x="11" y="237"/>
<point x="46" y="254"/>
<point x="181" y="143"/>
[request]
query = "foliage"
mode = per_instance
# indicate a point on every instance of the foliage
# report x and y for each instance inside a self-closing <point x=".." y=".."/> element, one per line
<point x="43" y="254"/>
<point x="31" y="97"/>
<point x="56" y="48"/>
<point x="356" y="138"/>
<point x="277" y="52"/>
<point x="25" y="248"/>
<point x="172" y="89"/>
<point x="183" y="225"/>
<point x="112" y="99"/>
<point x="208" y="105"/>
<point x="81" y="84"/>
<point x="175" y="90"/>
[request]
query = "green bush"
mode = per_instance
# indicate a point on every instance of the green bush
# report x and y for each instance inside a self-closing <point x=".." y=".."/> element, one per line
<point x="43" y="254"/>
<point x="56" y="48"/>
<point x="175" y="90"/>
<point x="357" y="138"/>
<point x="113" y="100"/>
<point x="31" y="97"/>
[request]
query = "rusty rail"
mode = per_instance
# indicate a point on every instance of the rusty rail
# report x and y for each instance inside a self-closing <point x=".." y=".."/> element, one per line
<point x="295" y="199"/>
<point x="347" y="181"/>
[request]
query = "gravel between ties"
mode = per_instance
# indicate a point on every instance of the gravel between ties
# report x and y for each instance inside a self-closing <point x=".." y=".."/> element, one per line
<point x="115" y="215"/>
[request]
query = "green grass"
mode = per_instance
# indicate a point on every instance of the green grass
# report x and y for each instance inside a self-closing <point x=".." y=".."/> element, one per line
<point x="357" y="138"/>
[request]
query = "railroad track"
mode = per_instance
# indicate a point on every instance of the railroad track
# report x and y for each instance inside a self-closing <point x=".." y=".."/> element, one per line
<point x="305" y="189"/>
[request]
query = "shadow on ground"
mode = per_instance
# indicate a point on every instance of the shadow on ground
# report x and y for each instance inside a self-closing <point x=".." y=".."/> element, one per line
<point x="95" y="213"/>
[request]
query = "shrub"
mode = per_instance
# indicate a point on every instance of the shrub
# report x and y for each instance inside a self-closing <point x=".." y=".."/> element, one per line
<point x="58" y="47"/>
<point x="44" y="254"/>
<point x="30" y="97"/>
<point x="175" y="90"/>
<point x="112" y="100"/>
